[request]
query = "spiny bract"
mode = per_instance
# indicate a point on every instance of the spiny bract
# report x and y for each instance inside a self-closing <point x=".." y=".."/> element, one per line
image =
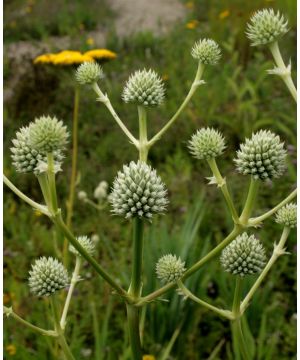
<point x="266" y="26"/>
<point x="47" y="276"/>
<point x="88" y="73"/>
<point x="86" y="243"/>
<point x="138" y="191"/>
<point x="244" y="256"/>
<point x="207" y="144"/>
<point x="47" y="134"/>
<point x="287" y="215"/>
<point x="144" y="87"/>
<point x="207" y="51"/>
<point x="169" y="268"/>
<point x="25" y="158"/>
<point x="262" y="156"/>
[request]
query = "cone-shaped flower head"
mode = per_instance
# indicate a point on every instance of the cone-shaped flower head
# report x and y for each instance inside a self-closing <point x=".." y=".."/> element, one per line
<point x="244" y="256"/>
<point x="207" y="51"/>
<point x="25" y="158"/>
<point x="266" y="26"/>
<point x="47" y="276"/>
<point x="169" y="268"/>
<point x="287" y="215"/>
<point x="262" y="156"/>
<point x="207" y="144"/>
<point x="47" y="134"/>
<point x="138" y="191"/>
<point x="144" y="87"/>
<point x="88" y="73"/>
<point x="86" y="243"/>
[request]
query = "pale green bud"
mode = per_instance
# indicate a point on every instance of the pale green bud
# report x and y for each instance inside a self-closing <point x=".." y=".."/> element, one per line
<point x="86" y="243"/>
<point x="169" y="268"/>
<point x="89" y="73"/>
<point x="287" y="215"/>
<point x="206" y="51"/>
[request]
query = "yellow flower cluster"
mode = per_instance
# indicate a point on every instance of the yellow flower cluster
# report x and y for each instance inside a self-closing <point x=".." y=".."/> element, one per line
<point x="192" y="24"/>
<point x="148" y="357"/>
<point x="70" y="57"/>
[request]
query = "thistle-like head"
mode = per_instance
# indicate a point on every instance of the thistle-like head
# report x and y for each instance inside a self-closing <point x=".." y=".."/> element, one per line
<point x="144" y="87"/>
<point x="47" y="275"/>
<point x="138" y="191"/>
<point x="206" y="51"/>
<point x="243" y="256"/>
<point x="265" y="27"/>
<point x="287" y="215"/>
<point x="262" y="156"/>
<point x="207" y="144"/>
<point x="86" y="243"/>
<point x="88" y="73"/>
<point x="169" y="268"/>
<point x="47" y="134"/>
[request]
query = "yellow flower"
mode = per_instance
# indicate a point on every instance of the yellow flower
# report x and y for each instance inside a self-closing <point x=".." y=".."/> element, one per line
<point x="148" y="357"/>
<point x="11" y="349"/>
<point x="69" y="57"/>
<point x="90" y="41"/>
<point x="190" y="5"/>
<point x="101" y="54"/>
<point x="37" y="213"/>
<point x="192" y="24"/>
<point x="224" y="14"/>
<point x="44" y="59"/>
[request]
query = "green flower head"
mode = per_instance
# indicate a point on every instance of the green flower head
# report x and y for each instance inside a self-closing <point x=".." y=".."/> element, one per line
<point x="169" y="268"/>
<point x="206" y="51"/>
<point x="88" y="73"/>
<point x="287" y="215"/>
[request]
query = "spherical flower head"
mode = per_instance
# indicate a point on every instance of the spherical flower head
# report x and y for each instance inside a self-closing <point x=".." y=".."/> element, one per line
<point x="206" y="51"/>
<point x="47" y="275"/>
<point x="265" y="27"/>
<point x="144" y="87"/>
<point x="262" y="156"/>
<point x="86" y="243"/>
<point x="207" y="144"/>
<point x="48" y="134"/>
<point x="287" y="215"/>
<point x="25" y="158"/>
<point x="89" y="73"/>
<point x="169" y="268"/>
<point x="138" y="192"/>
<point x="82" y="195"/>
<point x="243" y="256"/>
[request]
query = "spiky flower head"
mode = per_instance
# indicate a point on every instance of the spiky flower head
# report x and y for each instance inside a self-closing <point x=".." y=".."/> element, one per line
<point x="207" y="143"/>
<point x="262" y="156"/>
<point x="88" y="73"/>
<point x="47" y="275"/>
<point x="243" y="256"/>
<point x="207" y="51"/>
<point x="169" y="268"/>
<point x="25" y="158"/>
<point x="47" y="134"/>
<point x="86" y="243"/>
<point x="265" y="27"/>
<point x="287" y="215"/>
<point x="138" y="191"/>
<point x="144" y="87"/>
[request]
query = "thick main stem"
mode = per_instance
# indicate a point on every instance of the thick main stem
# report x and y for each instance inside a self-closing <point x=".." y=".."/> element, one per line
<point x="250" y="201"/>
<point x="133" y="319"/>
<point x="52" y="185"/>
<point x="143" y="140"/>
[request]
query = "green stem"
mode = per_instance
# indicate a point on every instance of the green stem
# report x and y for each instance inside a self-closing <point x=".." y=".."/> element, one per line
<point x="134" y="332"/>
<point x="196" y="83"/>
<point x="286" y="73"/>
<point x="237" y="297"/>
<point x="51" y="181"/>
<point x="74" y="280"/>
<point x="224" y="313"/>
<point x="143" y="141"/>
<point x="41" y="208"/>
<point x="257" y="220"/>
<point x="221" y="182"/>
<point x="278" y="251"/>
<point x="250" y="201"/>
<point x="136" y="275"/>
<point x="44" y="185"/>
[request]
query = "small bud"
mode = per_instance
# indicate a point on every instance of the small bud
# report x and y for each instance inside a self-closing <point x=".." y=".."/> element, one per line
<point x="47" y="134"/>
<point x="88" y="73"/>
<point x="207" y="51"/>
<point x="169" y="268"/>
<point x="86" y="243"/>
<point x="287" y="215"/>
<point x="144" y="87"/>
<point x="243" y="256"/>
<point x="138" y="191"/>
<point x="82" y="195"/>
<point x="266" y="27"/>
<point x="47" y="276"/>
<point x="100" y="192"/>
<point x="95" y="238"/>
<point x="207" y="144"/>
<point x="262" y="156"/>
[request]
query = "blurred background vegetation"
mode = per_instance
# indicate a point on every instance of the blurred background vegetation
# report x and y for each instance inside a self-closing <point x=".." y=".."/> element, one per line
<point x="238" y="98"/>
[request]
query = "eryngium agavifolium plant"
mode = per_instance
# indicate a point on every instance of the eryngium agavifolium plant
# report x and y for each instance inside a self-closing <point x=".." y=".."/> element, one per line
<point x="138" y="194"/>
